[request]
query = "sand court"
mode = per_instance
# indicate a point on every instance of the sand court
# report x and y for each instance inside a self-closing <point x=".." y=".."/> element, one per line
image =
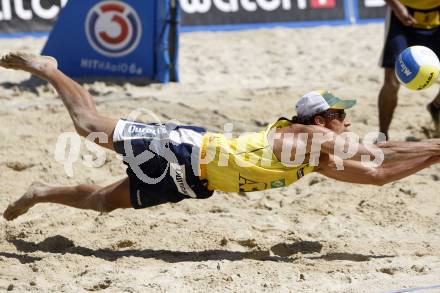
<point x="318" y="235"/>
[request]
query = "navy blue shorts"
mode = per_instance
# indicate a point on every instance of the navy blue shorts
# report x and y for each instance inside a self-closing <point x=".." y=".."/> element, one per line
<point x="162" y="161"/>
<point x="400" y="37"/>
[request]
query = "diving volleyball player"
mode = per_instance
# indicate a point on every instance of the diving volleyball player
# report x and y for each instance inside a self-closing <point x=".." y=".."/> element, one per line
<point x="193" y="163"/>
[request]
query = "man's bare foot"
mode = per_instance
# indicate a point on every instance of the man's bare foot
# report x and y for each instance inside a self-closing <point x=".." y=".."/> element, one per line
<point x="40" y="66"/>
<point x="25" y="202"/>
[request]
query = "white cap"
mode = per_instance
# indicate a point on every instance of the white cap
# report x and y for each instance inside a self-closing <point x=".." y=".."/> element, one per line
<point x="317" y="102"/>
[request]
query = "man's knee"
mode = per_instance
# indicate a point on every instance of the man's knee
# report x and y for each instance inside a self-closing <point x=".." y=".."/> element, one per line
<point x="391" y="84"/>
<point x="107" y="207"/>
<point x="93" y="198"/>
<point x="104" y="202"/>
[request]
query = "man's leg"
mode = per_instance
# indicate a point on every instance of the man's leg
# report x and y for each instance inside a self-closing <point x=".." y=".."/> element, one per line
<point x="86" y="196"/>
<point x="434" y="110"/>
<point x="86" y="120"/>
<point x="76" y="98"/>
<point x="387" y="100"/>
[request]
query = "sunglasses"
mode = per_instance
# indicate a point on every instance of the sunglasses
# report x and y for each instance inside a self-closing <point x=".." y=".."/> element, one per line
<point x="338" y="115"/>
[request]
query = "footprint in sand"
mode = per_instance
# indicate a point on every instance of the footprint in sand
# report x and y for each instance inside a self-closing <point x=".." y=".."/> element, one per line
<point x="18" y="166"/>
<point x="123" y="244"/>
<point x="100" y="286"/>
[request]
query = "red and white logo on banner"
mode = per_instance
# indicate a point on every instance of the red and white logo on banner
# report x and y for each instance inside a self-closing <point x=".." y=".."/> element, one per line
<point x="316" y="4"/>
<point x="113" y="28"/>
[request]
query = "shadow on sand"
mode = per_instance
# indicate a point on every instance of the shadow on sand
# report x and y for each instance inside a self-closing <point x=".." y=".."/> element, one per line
<point x="29" y="85"/>
<point x="33" y="82"/>
<point x="281" y="252"/>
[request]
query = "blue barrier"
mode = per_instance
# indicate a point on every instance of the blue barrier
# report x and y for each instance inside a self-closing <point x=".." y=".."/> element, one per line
<point x="116" y="38"/>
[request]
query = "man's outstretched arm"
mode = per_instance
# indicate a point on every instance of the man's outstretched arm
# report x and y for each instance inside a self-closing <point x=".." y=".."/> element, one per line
<point x="356" y="172"/>
<point x="402" y="150"/>
<point x="315" y="140"/>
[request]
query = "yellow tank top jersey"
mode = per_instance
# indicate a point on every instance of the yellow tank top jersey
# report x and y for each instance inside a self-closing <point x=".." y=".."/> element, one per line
<point x="421" y="4"/>
<point x="246" y="163"/>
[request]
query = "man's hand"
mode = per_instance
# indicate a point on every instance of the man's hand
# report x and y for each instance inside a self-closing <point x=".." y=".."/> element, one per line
<point x="401" y="12"/>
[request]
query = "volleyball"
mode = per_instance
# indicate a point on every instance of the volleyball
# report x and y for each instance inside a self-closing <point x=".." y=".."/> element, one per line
<point x="417" y="67"/>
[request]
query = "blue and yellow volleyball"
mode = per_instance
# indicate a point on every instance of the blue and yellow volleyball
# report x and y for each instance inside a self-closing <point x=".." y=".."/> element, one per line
<point x="417" y="67"/>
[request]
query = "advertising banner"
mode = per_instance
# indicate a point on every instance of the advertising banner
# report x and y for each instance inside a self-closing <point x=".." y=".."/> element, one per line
<point x="114" y="38"/>
<point x="140" y="38"/>
<point x="17" y="16"/>
<point x="370" y="9"/>
<point x="230" y="12"/>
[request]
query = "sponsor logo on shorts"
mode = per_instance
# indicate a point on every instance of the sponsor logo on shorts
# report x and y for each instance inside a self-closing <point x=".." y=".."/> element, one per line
<point x="138" y="130"/>
<point x="138" y="197"/>
<point x="113" y="28"/>
<point x="177" y="172"/>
